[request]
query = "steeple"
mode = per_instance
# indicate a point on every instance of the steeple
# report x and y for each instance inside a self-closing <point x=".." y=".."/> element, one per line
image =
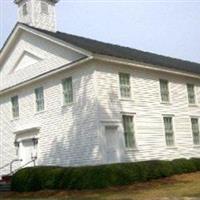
<point x="38" y="13"/>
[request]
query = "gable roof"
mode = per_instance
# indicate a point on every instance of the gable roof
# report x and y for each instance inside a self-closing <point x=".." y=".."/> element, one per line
<point x="108" y="49"/>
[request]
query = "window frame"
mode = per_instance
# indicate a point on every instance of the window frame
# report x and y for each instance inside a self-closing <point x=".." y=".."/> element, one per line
<point x="198" y="125"/>
<point x="134" y="147"/>
<point x="42" y="6"/>
<point x="14" y="116"/>
<point x="64" y="103"/>
<point x="168" y="90"/>
<point x="43" y="100"/>
<point x="128" y="86"/>
<point x="188" y="97"/>
<point x="173" y="130"/>
<point x="25" y="9"/>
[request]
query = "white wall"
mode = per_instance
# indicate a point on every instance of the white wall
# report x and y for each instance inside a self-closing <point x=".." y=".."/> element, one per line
<point x="149" y="110"/>
<point x="72" y="135"/>
<point x="68" y="134"/>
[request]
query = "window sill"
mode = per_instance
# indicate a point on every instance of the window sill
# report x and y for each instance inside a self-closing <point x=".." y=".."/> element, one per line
<point x="192" y="105"/>
<point x="172" y="147"/>
<point x="40" y="112"/>
<point x="131" y="149"/>
<point x="165" y="103"/>
<point x="14" y="119"/>
<point x="126" y="99"/>
<point x="196" y="146"/>
<point x="67" y="105"/>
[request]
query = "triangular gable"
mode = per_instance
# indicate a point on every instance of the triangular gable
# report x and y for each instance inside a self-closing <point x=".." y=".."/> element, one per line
<point x="28" y="54"/>
<point x="26" y="46"/>
<point x="19" y="27"/>
<point x="25" y="60"/>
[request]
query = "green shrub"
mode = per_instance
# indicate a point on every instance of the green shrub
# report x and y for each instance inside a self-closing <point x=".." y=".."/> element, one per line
<point x="196" y="162"/>
<point x="183" y="166"/>
<point x="103" y="176"/>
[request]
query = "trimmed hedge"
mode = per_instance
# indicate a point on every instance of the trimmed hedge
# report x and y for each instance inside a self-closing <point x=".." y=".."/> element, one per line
<point x="103" y="176"/>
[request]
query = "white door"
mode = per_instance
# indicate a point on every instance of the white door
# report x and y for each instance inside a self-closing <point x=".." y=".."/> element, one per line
<point x="112" y="144"/>
<point x="26" y="153"/>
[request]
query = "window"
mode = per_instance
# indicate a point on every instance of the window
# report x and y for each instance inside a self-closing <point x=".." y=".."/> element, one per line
<point x="191" y="93"/>
<point x="169" y="134"/>
<point x="24" y="9"/>
<point x="39" y="96"/>
<point x="44" y="8"/>
<point x="128" y="131"/>
<point x="125" y="88"/>
<point x="164" y="90"/>
<point x="67" y="90"/>
<point x="15" y="106"/>
<point x="195" y="131"/>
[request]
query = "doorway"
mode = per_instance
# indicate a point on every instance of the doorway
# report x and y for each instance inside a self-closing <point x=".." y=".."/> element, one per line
<point x="112" y="144"/>
<point x="27" y="152"/>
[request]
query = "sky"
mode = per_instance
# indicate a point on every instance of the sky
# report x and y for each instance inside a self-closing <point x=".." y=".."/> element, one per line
<point x="167" y="27"/>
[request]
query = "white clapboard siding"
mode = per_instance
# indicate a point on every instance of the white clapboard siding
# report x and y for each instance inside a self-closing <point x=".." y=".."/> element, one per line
<point x="147" y="108"/>
<point x="68" y="134"/>
<point x="72" y="135"/>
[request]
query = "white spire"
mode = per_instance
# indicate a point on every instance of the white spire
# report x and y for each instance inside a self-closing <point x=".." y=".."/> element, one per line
<point x="38" y="13"/>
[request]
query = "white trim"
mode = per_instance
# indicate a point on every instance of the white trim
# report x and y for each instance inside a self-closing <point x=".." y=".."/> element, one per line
<point x="119" y="87"/>
<point x="173" y="129"/>
<point x="26" y="129"/>
<point x="169" y="91"/>
<point x="168" y="115"/>
<point x="21" y="27"/>
<point x="57" y="41"/>
<point x="8" y="43"/>
<point x="63" y="104"/>
<point x="195" y="104"/>
<point x="25" y="52"/>
<point x="144" y="65"/>
<point x="45" y="75"/>
<point x="194" y="117"/>
<point x="35" y="103"/>
<point x="134" y="129"/>
<point x="128" y="113"/>
<point x="11" y="107"/>
<point x="110" y="123"/>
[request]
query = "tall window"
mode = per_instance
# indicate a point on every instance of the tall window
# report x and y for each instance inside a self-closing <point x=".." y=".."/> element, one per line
<point x="67" y="90"/>
<point x="164" y="90"/>
<point x="44" y="8"/>
<point x="129" y="131"/>
<point x="24" y="9"/>
<point x="15" y="106"/>
<point x="125" y="88"/>
<point x="169" y="134"/>
<point x="195" y="131"/>
<point x="191" y="93"/>
<point x="39" y="96"/>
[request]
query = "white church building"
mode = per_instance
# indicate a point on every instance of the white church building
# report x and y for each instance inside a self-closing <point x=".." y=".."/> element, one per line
<point x="66" y="100"/>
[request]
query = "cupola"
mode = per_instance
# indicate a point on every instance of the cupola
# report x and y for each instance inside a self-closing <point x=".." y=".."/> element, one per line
<point x="37" y="13"/>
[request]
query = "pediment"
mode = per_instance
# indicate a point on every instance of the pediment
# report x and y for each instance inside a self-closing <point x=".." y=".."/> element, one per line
<point x="28" y="53"/>
<point x="25" y="60"/>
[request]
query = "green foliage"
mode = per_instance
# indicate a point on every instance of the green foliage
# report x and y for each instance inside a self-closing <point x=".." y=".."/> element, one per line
<point x="103" y="176"/>
<point x="183" y="166"/>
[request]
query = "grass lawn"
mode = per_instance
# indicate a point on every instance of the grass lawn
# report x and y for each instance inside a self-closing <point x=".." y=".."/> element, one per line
<point x="173" y="188"/>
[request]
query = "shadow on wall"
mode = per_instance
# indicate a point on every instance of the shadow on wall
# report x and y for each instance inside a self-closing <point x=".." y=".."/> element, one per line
<point x="80" y="141"/>
<point x="77" y="142"/>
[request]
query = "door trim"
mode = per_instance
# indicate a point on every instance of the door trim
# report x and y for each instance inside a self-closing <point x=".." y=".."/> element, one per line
<point x="112" y="123"/>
